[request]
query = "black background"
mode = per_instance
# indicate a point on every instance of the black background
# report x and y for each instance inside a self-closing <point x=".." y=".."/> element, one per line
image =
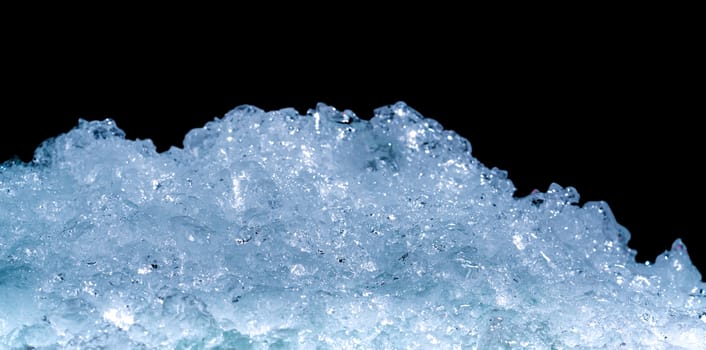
<point x="612" y="113"/>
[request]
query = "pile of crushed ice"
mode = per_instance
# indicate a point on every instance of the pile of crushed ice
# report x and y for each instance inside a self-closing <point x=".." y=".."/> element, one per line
<point x="280" y="230"/>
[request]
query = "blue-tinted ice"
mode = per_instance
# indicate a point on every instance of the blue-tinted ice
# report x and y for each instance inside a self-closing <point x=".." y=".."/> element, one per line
<point x="277" y="230"/>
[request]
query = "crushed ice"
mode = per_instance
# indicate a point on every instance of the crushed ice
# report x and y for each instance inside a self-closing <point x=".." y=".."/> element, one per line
<point x="280" y="230"/>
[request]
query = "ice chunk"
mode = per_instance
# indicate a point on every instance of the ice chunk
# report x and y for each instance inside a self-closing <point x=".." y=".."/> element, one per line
<point x="324" y="230"/>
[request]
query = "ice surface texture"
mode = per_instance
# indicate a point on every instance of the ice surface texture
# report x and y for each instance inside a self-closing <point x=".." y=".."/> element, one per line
<point x="279" y="230"/>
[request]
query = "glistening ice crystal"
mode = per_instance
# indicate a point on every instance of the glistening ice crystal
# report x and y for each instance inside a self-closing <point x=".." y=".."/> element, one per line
<point x="277" y="230"/>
